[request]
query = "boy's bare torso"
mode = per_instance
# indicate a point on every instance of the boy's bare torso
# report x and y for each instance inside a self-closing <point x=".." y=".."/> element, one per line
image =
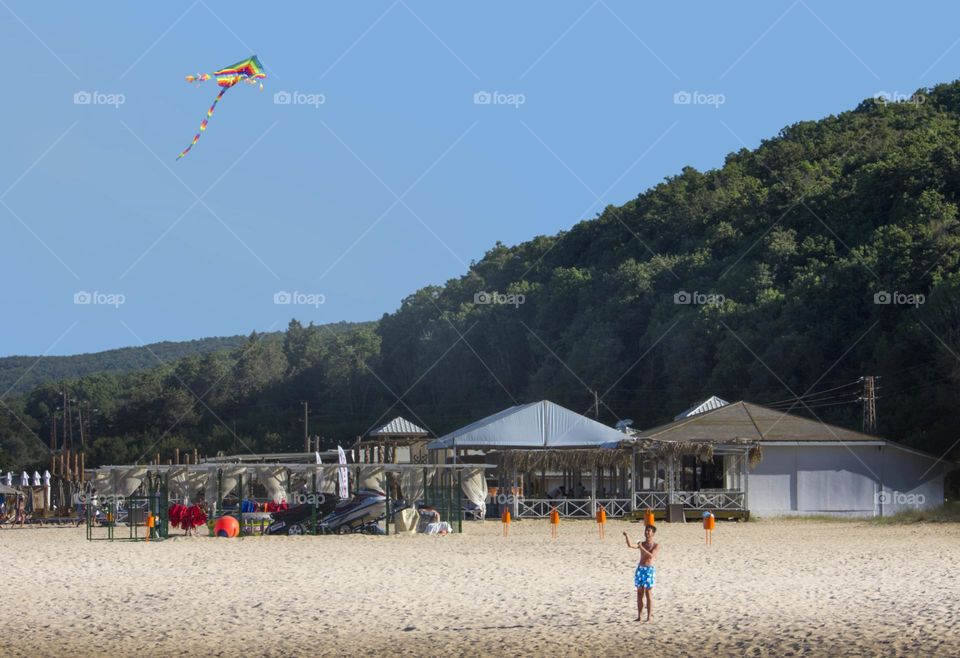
<point x="646" y="555"/>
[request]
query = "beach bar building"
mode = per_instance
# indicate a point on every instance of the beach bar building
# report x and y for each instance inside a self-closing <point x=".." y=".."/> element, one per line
<point x="747" y="457"/>
<point x="732" y="460"/>
<point x="539" y="448"/>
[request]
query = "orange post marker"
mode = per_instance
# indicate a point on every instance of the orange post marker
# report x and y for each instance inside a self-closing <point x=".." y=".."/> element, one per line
<point x="505" y="520"/>
<point x="554" y="522"/>
<point x="601" y="520"/>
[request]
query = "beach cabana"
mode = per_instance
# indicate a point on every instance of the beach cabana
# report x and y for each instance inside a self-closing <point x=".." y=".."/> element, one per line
<point x="538" y="444"/>
<point x="399" y="441"/>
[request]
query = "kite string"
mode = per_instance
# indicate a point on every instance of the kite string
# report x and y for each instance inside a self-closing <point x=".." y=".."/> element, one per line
<point x="203" y="124"/>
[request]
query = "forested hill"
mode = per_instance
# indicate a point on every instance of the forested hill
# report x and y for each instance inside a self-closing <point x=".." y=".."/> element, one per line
<point x="22" y="373"/>
<point x="19" y="374"/>
<point x="827" y="253"/>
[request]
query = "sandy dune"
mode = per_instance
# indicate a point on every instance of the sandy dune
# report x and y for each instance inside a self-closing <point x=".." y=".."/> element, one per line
<point x="764" y="588"/>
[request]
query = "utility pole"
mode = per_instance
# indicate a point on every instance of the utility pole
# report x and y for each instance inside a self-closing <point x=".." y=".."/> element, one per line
<point x="306" y="428"/>
<point x="869" y="404"/>
<point x="83" y="443"/>
<point x="63" y="435"/>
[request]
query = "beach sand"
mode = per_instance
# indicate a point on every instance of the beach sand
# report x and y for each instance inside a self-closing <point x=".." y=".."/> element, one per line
<point x="784" y="588"/>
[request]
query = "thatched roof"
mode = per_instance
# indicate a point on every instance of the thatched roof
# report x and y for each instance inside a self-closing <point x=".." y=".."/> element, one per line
<point x="552" y="460"/>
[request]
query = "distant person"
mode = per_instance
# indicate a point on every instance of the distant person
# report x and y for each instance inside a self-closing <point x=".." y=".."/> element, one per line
<point x="20" y="515"/>
<point x="645" y="576"/>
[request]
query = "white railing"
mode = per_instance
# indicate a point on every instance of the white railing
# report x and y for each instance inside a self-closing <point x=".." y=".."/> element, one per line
<point x="536" y="508"/>
<point x="541" y="507"/>
<point x="615" y="507"/>
<point x="697" y="500"/>
<point x="652" y="500"/>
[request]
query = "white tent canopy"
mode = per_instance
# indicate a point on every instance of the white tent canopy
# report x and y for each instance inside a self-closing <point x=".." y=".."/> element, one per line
<point x="542" y="425"/>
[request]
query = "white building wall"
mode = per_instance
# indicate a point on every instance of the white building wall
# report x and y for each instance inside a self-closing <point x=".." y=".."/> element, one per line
<point x="772" y="484"/>
<point x="843" y="480"/>
<point x="910" y="481"/>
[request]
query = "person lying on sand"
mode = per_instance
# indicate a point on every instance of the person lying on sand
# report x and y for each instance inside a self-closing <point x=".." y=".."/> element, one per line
<point x="644" y="577"/>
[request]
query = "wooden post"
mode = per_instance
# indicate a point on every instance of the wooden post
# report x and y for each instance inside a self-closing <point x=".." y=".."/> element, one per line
<point x="745" y="479"/>
<point x="176" y="456"/>
<point x="633" y="480"/>
<point x="83" y="465"/>
<point x="593" y="491"/>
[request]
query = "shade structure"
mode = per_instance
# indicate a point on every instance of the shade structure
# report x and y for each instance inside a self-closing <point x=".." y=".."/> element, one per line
<point x="538" y="425"/>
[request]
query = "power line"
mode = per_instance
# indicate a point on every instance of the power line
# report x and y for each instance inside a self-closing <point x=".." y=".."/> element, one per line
<point x="814" y="394"/>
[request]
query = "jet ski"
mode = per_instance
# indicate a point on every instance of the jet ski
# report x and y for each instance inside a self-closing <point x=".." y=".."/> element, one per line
<point x="297" y="520"/>
<point x="358" y="514"/>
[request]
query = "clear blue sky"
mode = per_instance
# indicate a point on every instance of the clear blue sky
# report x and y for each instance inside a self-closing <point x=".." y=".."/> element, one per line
<point x="303" y="197"/>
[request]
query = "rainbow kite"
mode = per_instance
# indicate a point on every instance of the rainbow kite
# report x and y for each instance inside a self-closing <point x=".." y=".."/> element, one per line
<point x="249" y="71"/>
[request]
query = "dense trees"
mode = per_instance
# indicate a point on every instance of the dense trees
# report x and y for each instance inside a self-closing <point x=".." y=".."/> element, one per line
<point x="829" y="252"/>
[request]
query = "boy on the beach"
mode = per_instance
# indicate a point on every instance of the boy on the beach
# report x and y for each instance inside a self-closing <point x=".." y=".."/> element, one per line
<point x="645" y="575"/>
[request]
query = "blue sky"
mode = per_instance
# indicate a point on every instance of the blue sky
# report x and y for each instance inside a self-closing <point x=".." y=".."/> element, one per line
<point x="386" y="171"/>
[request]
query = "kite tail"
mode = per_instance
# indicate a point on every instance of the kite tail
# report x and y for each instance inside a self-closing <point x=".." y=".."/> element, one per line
<point x="203" y="124"/>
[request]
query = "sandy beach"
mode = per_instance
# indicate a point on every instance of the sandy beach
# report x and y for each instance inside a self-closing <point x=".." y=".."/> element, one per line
<point x="785" y="588"/>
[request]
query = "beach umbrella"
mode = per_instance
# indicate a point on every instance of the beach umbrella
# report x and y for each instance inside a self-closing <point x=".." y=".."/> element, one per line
<point x="9" y="479"/>
<point x="24" y="479"/>
<point x="36" y="479"/>
<point x="46" y="478"/>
